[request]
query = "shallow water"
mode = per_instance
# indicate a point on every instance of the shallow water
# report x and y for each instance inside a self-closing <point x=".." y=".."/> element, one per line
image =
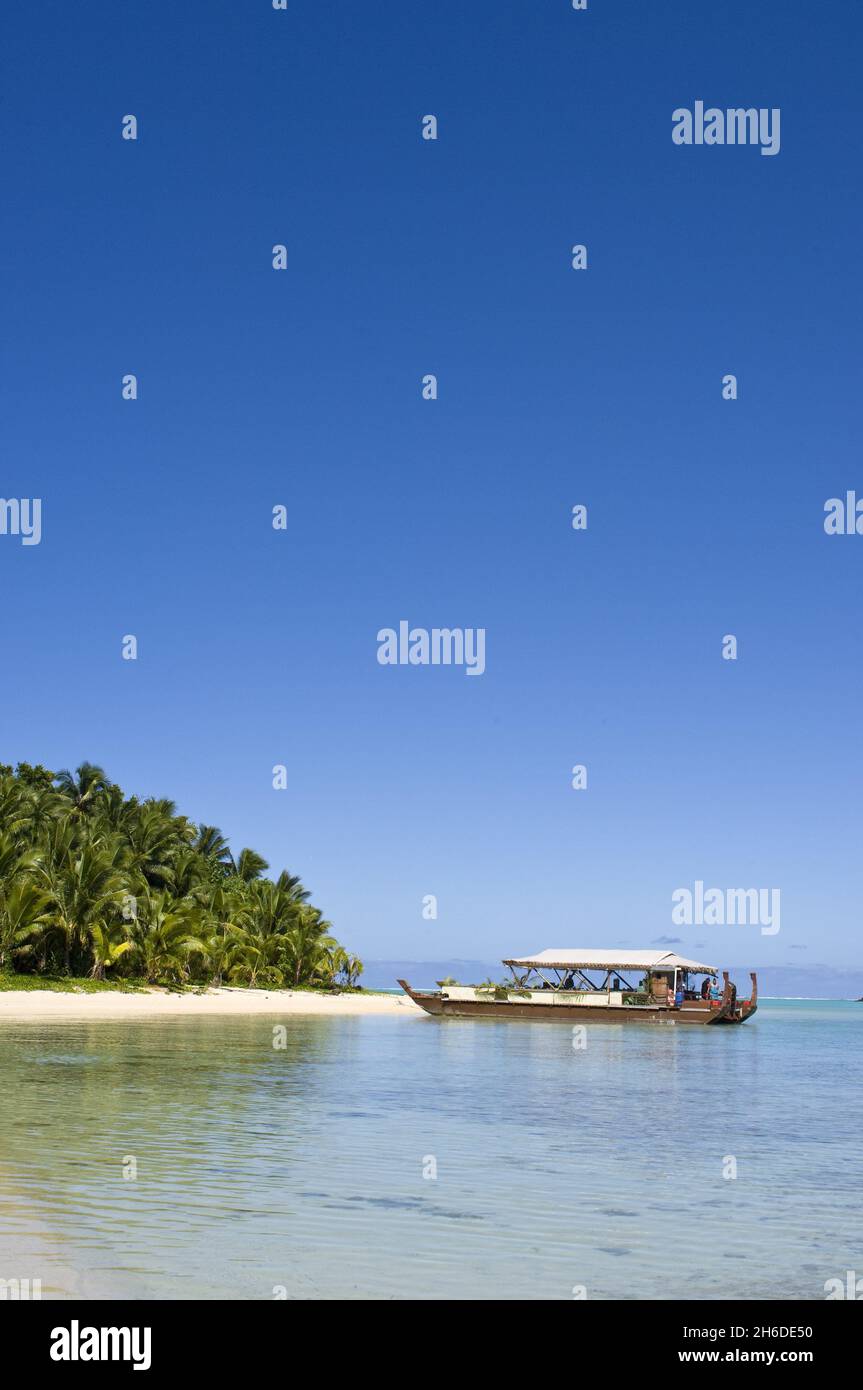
<point x="302" y="1169"/>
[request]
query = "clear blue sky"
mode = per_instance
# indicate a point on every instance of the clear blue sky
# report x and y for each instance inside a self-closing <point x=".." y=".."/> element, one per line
<point x="556" y="387"/>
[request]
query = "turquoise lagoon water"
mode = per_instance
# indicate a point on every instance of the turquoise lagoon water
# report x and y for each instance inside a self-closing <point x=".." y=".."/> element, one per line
<point x="302" y="1169"/>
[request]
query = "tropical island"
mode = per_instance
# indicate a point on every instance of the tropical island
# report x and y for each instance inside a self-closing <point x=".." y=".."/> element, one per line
<point x="101" y="890"/>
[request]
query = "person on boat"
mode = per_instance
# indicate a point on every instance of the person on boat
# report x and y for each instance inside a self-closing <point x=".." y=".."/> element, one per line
<point x="715" y="992"/>
<point x="705" y="988"/>
<point x="569" y="983"/>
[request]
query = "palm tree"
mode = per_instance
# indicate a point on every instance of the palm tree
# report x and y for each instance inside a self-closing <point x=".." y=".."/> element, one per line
<point x="292" y="888"/>
<point x="248" y="865"/>
<point x="222" y="920"/>
<point x="155" y="837"/>
<point x="331" y="963"/>
<point x="271" y="909"/>
<point x="85" y="884"/>
<point x="305" y="944"/>
<point x="335" y="961"/>
<point x="14" y="857"/>
<point x="266" y="915"/>
<point x="23" y="912"/>
<point x="353" y="969"/>
<point x="109" y="944"/>
<point x="164" y="935"/>
<point x="73" y="849"/>
<point x="245" y="960"/>
<point x="13" y="806"/>
<point x="185" y="872"/>
<point x="211" y="844"/>
<point x="84" y="787"/>
<point x="116" y="811"/>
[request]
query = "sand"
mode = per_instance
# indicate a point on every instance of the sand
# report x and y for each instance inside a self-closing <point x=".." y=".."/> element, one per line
<point x="157" y="1003"/>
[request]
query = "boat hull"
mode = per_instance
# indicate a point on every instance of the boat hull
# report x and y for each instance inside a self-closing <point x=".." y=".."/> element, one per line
<point x="572" y="1013"/>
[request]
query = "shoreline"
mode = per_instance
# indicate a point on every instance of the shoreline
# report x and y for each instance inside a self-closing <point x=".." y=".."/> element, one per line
<point x="21" y="1005"/>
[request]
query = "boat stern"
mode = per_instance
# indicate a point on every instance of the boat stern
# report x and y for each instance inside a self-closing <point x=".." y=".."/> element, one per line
<point x="750" y="1006"/>
<point x="734" y="1010"/>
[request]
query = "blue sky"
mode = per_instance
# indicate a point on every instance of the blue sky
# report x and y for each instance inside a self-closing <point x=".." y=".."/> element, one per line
<point x="556" y="387"/>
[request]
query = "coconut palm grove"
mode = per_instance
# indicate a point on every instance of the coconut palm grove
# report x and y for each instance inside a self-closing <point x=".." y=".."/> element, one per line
<point x="94" y="883"/>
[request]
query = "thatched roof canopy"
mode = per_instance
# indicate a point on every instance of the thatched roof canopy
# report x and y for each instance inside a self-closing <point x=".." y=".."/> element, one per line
<point x="610" y="960"/>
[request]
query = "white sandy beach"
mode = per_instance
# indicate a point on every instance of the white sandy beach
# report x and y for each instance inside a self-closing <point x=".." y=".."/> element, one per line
<point x="39" y="1003"/>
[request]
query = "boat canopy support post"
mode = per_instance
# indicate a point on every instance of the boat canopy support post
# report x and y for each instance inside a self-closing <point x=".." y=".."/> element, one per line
<point x="617" y="975"/>
<point x="585" y="979"/>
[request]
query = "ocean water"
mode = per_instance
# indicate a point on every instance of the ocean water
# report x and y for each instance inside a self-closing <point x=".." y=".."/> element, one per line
<point x="394" y="1158"/>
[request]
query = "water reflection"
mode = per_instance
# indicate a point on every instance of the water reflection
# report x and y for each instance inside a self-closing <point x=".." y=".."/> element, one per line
<point x="556" y="1165"/>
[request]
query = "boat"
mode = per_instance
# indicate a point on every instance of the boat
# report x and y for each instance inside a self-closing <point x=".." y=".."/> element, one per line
<point x="597" y="987"/>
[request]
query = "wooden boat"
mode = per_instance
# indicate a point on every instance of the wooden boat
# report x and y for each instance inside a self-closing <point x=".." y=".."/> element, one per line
<point x="596" y="987"/>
